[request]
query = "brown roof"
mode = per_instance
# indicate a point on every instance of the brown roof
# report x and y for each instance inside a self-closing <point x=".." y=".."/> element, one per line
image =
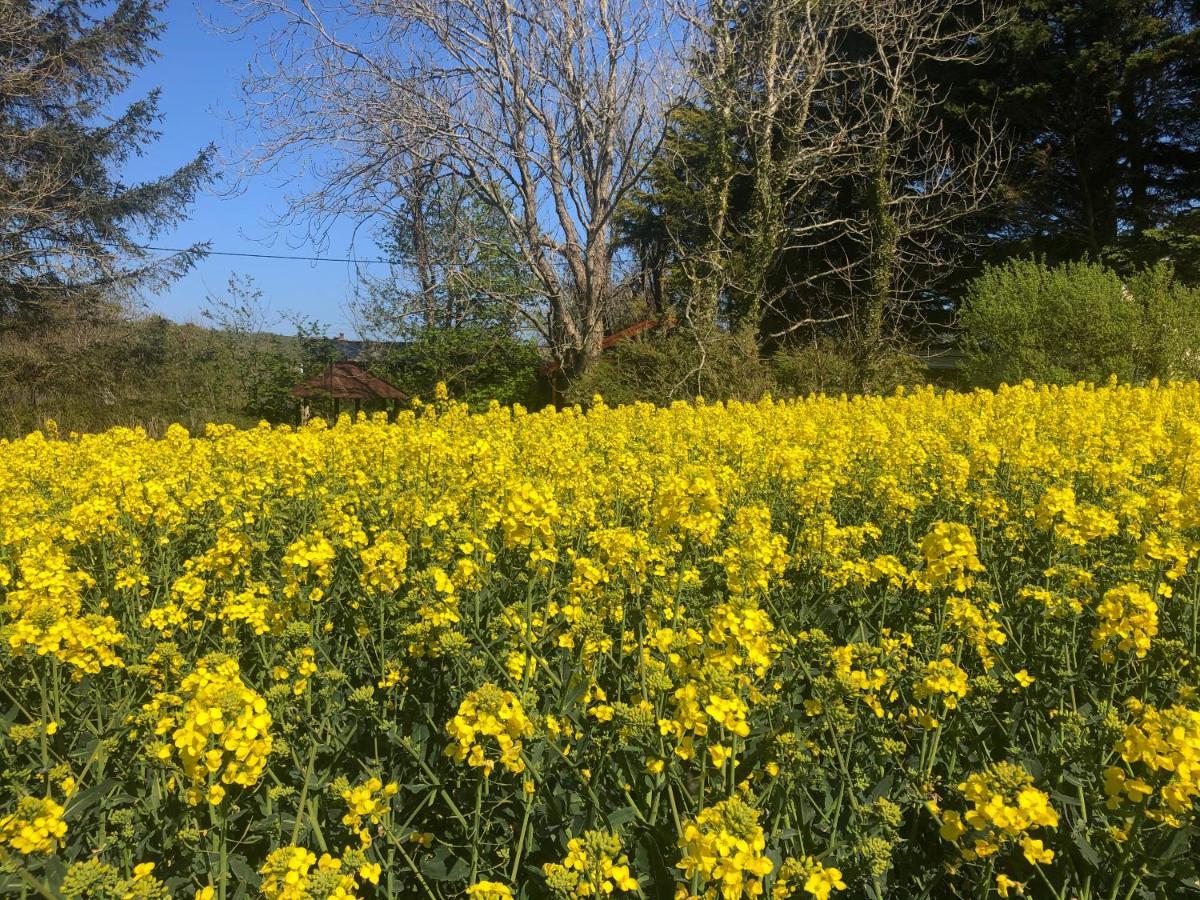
<point x="347" y="381"/>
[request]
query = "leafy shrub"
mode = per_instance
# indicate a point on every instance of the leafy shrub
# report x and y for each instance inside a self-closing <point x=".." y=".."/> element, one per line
<point x="676" y="365"/>
<point x="477" y="364"/>
<point x="681" y="365"/>
<point x="1079" y="321"/>
<point x="1058" y="324"/>
<point x="1169" y="339"/>
<point x="111" y="369"/>
<point x="830" y="367"/>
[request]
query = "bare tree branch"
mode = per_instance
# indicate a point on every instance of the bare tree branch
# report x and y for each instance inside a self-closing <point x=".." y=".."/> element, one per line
<point x="548" y="111"/>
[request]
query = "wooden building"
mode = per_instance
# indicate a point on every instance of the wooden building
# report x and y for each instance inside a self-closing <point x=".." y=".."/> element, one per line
<point x="348" y="381"/>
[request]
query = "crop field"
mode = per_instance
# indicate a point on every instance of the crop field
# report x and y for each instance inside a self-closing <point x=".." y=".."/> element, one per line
<point x="924" y="646"/>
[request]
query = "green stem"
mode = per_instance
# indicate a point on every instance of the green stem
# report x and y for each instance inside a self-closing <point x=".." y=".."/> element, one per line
<point x="521" y="840"/>
<point x="475" y="830"/>
<point x="308" y="769"/>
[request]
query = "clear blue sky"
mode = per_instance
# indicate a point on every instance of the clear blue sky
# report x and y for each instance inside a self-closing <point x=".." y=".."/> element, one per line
<point x="199" y="73"/>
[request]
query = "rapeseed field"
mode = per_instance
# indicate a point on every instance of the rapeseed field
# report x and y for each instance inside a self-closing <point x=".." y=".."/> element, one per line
<point x="930" y="645"/>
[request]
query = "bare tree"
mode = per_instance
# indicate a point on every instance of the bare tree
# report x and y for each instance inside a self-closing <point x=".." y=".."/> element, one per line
<point x="761" y="71"/>
<point x="827" y="143"/>
<point x="548" y="110"/>
<point x="919" y="183"/>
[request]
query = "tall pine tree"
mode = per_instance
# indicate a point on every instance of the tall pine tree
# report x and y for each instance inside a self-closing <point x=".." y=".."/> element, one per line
<point x="1101" y="99"/>
<point x="68" y="222"/>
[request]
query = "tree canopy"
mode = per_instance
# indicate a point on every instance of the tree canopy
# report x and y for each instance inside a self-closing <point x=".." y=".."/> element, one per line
<point x="69" y="222"/>
<point x="1101" y="103"/>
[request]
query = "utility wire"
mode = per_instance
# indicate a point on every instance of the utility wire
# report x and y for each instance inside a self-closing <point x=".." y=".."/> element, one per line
<point x="263" y="255"/>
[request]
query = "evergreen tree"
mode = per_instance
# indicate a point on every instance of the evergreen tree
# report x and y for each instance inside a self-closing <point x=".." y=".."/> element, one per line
<point x="68" y="221"/>
<point x="1101" y="99"/>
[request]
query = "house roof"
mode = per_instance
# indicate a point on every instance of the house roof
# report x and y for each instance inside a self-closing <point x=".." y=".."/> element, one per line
<point x="347" y="381"/>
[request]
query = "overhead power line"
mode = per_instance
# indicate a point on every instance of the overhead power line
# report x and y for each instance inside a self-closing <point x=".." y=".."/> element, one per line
<point x="265" y="255"/>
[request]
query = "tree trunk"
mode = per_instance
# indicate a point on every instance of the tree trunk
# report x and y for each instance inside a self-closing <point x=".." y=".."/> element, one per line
<point x="884" y="236"/>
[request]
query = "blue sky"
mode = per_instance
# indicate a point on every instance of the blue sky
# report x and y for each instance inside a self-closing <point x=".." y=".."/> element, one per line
<point x="199" y="73"/>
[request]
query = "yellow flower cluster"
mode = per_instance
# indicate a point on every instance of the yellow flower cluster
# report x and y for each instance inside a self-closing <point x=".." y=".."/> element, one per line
<point x="35" y="827"/>
<point x="384" y="564"/>
<point x="1161" y="748"/>
<point x="1129" y="616"/>
<point x="754" y="555"/>
<point x="529" y="516"/>
<point x="943" y="678"/>
<point x="951" y="556"/>
<point x="310" y="559"/>
<point x="807" y="874"/>
<point x="1073" y="522"/>
<point x="368" y="802"/>
<point x="219" y="728"/>
<point x="288" y="874"/>
<point x="689" y="502"/>
<point x="45" y="607"/>
<point x="92" y="879"/>
<point x="489" y="712"/>
<point x="980" y="627"/>
<point x="490" y="890"/>
<point x="723" y="851"/>
<point x="1006" y="807"/>
<point x="594" y="867"/>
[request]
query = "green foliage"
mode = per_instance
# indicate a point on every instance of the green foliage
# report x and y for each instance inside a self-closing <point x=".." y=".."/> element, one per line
<point x="460" y="262"/>
<point x="828" y="366"/>
<point x="1177" y="243"/>
<point x="1169" y="339"/>
<point x="455" y="265"/>
<point x="1098" y="99"/>
<point x="68" y="222"/>
<point x="148" y="372"/>
<point x="448" y="312"/>
<point x="669" y="223"/>
<point x="477" y="364"/>
<point x="70" y="225"/>
<point x="1097" y="102"/>
<point x="262" y="366"/>
<point x="681" y="365"/>
<point x="1059" y="324"/>
<point x="676" y="365"/>
<point x="1026" y="319"/>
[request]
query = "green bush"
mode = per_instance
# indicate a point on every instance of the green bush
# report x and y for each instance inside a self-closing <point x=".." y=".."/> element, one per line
<point x="1059" y="324"/>
<point x="681" y="365"/>
<point x="1169" y="340"/>
<point x="478" y="364"/>
<point x="676" y="365"/>
<point x="1078" y="321"/>
<point x="831" y="367"/>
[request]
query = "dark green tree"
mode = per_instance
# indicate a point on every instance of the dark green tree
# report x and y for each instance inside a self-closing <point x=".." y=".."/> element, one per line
<point x="69" y="223"/>
<point x="1101" y="100"/>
